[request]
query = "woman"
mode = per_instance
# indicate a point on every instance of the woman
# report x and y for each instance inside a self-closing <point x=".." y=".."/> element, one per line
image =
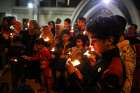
<point x="47" y="36"/>
<point x="44" y="56"/>
<point x="106" y="76"/>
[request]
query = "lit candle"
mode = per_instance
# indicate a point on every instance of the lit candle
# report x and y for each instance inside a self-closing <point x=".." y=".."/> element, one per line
<point x="84" y="33"/>
<point x="72" y="30"/>
<point x="53" y="49"/>
<point x="91" y="48"/>
<point x="87" y="53"/>
<point x="47" y="39"/>
<point x="75" y="62"/>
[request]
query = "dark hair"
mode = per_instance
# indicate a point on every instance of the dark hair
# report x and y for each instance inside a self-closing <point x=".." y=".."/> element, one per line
<point x="120" y="21"/>
<point x="51" y="23"/>
<point x="58" y="21"/>
<point x="52" y="29"/>
<point x="120" y="24"/>
<point x="81" y="37"/>
<point x="40" y="41"/>
<point x="68" y="20"/>
<point x="82" y="19"/>
<point x="103" y="28"/>
<point x="134" y="25"/>
<point x="35" y="24"/>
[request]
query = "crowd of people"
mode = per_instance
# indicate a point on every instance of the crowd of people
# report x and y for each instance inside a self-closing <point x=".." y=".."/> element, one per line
<point x="96" y="56"/>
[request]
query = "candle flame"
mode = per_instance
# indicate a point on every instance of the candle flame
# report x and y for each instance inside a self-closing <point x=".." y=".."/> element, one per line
<point x="87" y="53"/>
<point x="47" y="39"/>
<point x="53" y="49"/>
<point x="75" y="62"/>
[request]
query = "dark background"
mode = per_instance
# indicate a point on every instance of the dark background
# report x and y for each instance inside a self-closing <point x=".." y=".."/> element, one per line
<point x="137" y="3"/>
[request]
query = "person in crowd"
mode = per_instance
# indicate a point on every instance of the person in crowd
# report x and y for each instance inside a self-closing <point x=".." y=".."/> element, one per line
<point x="58" y="20"/>
<point x="79" y="45"/>
<point x="81" y="26"/>
<point x="67" y="26"/>
<point x="17" y="26"/>
<point x="47" y="36"/>
<point x="28" y="39"/>
<point x="81" y="29"/>
<point x="44" y="56"/>
<point x="10" y="27"/>
<point x="17" y="65"/>
<point x="127" y="53"/>
<point x="51" y="25"/>
<point x="106" y="76"/>
<point x="62" y="49"/>
<point x="132" y="30"/>
<point x="132" y="34"/>
<point x="34" y="28"/>
<point x="58" y="29"/>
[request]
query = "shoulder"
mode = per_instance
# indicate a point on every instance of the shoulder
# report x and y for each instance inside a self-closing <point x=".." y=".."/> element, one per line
<point x="115" y="68"/>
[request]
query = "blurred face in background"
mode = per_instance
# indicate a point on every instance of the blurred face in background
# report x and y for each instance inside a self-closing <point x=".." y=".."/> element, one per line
<point x="51" y="26"/>
<point x="81" y="24"/>
<point x="67" y="26"/>
<point x="45" y="30"/>
<point x="66" y="37"/>
<point x="131" y="30"/>
<point x="79" y="43"/>
<point x="30" y="25"/>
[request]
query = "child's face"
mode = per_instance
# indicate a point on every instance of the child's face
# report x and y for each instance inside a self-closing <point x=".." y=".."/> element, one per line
<point x="66" y="37"/>
<point x="79" y="42"/>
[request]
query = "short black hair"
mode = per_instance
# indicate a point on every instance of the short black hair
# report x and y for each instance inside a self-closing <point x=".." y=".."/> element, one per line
<point x="103" y="28"/>
<point x="82" y="19"/>
<point x="134" y="25"/>
<point x="58" y="21"/>
<point x="120" y="22"/>
<point x="51" y="23"/>
<point x="81" y="37"/>
<point x="68" y="20"/>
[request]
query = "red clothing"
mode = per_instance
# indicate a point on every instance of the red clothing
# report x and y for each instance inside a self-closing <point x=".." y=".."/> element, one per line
<point x="44" y="56"/>
<point x="115" y="68"/>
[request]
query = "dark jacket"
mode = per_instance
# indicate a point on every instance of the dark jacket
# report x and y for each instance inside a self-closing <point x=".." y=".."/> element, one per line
<point x="104" y="77"/>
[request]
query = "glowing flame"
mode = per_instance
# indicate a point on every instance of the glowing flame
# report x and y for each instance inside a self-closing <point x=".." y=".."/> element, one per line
<point x="87" y="53"/>
<point x="28" y="24"/>
<point x="47" y="39"/>
<point x="69" y="53"/>
<point x="11" y="34"/>
<point x="12" y="27"/>
<point x="53" y="49"/>
<point x="91" y="48"/>
<point x="75" y="62"/>
<point x="84" y="33"/>
<point x="72" y="30"/>
<point x="15" y="60"/>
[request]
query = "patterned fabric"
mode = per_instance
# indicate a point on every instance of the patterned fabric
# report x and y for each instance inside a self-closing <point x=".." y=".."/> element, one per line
<point x="129" y="58"/>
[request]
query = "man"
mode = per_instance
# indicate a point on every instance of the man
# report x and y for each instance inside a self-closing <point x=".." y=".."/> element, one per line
<point x="127" y="53"/>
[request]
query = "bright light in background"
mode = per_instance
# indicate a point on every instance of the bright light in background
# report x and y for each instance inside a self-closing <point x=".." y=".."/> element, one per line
<point x="106" y="1"/>
<point x="30" y="5"/>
